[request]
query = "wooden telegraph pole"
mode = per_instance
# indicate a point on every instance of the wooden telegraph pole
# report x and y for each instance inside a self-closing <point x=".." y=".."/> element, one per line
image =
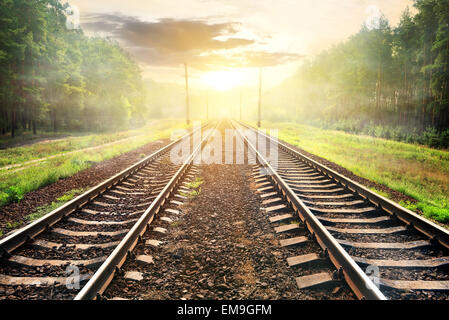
<point x="240" y="104"/>
<point x="207" y="105"/>
<point x="260" y="98"/>
<point x="187" y="94"/>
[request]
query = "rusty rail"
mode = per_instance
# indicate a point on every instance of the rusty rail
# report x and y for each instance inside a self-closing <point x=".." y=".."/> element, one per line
<point x="29" y="232"/>
<point x="434" y="232"/>
<point x="347" y="268"/>
<point x="104" y="275"/>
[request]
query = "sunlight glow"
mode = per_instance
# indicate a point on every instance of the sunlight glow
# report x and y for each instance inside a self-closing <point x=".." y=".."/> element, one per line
<point x="223" y="80"/>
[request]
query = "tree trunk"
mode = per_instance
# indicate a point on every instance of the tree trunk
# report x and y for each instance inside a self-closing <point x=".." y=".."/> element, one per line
<point x="13" y="104"/>
<point x="34" y="120"/>
<point x="424" y="91"/>
<point x="55" y="124"/>
<point x="13" y="120"/>
<point x="34" y="106"/>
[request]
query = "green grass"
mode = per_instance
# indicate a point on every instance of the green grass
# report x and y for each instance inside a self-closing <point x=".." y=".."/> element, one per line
<point x="379" y="192"/>
<point x="195" y="193"/>
<point x="14" y="185"/>
<point x="28" y="137"/>
<point x="195" y="185"/>
<point x="175" y="224"/>
<point x="42" y="149"/>
<point x="43" y="210"/>
<point x="191" y="194"/>
<point x="417" y="171"/>
<point x="13" y="225"/>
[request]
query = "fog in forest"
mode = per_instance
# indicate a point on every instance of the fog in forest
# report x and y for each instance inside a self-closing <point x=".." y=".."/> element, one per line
<point x="385" y="80"/>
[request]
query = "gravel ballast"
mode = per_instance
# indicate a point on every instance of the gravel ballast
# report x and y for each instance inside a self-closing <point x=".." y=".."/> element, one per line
<point x="221" y="246"/>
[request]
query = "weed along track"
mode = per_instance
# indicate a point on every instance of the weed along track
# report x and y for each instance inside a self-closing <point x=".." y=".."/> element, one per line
<point x="361" y="232"/>
<point x="70" y="249"/>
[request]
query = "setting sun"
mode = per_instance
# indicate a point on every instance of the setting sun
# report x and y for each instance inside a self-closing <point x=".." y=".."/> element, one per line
<point x="223" y="80"/>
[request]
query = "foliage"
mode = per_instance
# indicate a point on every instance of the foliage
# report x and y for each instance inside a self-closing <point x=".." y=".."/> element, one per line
<point x="383" y="81"/>
<point x="195" y="186"/>
<point x="14" y="186"/>
<point x="44" y="149"/>
<point x="196" y="183"/>
<point x="43" y="210"/>
<point x="55" y="77"/>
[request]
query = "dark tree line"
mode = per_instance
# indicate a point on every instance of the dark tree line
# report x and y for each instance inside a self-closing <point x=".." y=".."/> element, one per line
<point x="385" y="81"/>
<point x="57" y="78"/>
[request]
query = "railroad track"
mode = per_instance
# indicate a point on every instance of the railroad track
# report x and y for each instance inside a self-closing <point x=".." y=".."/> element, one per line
<point x="172" y="276"/>
<point x="359" y="231"/>
<point x="74" y="251"/>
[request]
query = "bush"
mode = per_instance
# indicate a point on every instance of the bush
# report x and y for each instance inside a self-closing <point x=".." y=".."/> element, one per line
<point x="379" y="132"/>
<point x="397" y="135"/>
<point x="4" y="198"/>
<point x="412" y="137"/>
<point x="14" y="194"/>
<point x="430" y="137"/>
<point x="444" y="138"/>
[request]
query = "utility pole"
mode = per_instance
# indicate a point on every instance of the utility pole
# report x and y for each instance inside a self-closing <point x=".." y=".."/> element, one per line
<point x="187" y="94"/>
<point x="207" y="105"/>
<point x="260" y="98"/>
<point x="240" y="104"/>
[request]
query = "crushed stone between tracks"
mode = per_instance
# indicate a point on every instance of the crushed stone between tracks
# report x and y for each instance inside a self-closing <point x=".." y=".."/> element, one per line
<point x="222" y="246"/>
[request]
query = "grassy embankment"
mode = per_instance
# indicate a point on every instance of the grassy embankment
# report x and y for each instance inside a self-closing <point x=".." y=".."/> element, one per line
<point x="15" y="184"/>
<point x="55" y="145"/>
<point x="417" y="171"/>
<point x="41" y="211"/>
<point x="24" y="138"/>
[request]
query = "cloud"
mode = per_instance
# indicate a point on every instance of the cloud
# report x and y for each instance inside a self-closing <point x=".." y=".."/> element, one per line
<point x="170" y="42"/>
<point x="243" y="59"/>
<point x="169" y="34"/>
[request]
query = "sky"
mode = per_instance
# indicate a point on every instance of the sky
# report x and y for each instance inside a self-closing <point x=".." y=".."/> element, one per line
<point x="225" y="42"/>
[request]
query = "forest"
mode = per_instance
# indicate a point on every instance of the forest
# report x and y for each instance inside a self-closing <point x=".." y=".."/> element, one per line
<point x="384" y="81"/>
<point x="56" y="78"/>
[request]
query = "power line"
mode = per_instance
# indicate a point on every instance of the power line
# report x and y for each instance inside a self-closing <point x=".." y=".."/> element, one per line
<point x="187" y="94"/>
<point x="240" y="104"/>
<point x="259" y="117"/>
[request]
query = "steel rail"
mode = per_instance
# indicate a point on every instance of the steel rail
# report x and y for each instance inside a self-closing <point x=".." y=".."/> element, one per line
<point x="436" y="233"/>
<point x="358" y="281"/>
<point x="29" y="232"/>
<point x="104" y="275"/>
